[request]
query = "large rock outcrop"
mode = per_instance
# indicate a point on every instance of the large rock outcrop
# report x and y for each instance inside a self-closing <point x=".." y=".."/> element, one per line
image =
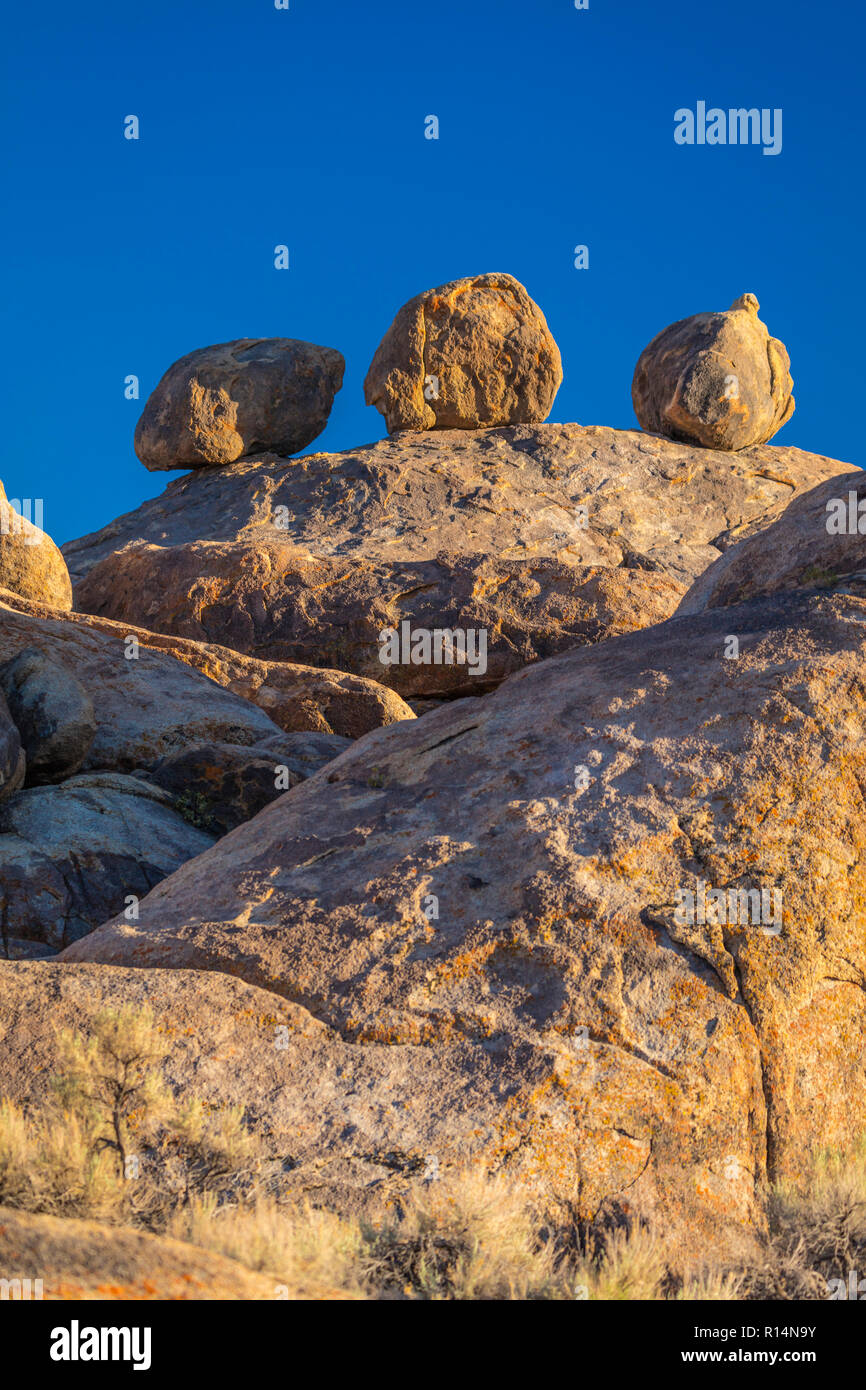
<point x="716" y="379"/>
<point x="219" y="403"/>
<point x="497" y="895"/>
<point x="472" y="353"/>
<point x="817" y="542"/>
<point x="30" y="563"/>
<point x="542" y="537"/>
<point x="168" y="760"/>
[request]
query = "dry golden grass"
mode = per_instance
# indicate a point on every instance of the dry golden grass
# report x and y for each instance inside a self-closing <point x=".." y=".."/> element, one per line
<point x="467" y="1236"/>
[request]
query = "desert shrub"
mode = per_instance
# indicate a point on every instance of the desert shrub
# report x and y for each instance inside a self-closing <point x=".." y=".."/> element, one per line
<point x="817" y="1230"/>
<point x="110" y="1080"/>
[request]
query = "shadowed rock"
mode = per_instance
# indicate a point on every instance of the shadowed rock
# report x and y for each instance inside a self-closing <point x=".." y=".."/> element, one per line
<point x="12" y="761"/>
<point x="53" y="712"/>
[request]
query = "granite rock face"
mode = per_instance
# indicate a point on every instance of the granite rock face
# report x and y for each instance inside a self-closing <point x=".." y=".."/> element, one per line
<point x="542" y="537"/>
<point x="222" y="402"/>
<point x="817" y="542"/>
<point x="497" y="895"/>
<point x="299" y="699"/>
<point x="469" y="354"/>
<point x="146" y="703"/>
<point x="717" y="379"/>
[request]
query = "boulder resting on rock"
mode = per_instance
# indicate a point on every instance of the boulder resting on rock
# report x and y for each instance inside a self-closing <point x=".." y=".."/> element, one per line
<point x="219" y="403"/>
<point x="469" y="354"/>
<point x="30" y="563"/>
<point x="715" y="379"/>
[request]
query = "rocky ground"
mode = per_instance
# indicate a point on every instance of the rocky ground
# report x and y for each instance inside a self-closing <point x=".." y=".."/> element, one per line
<point x="418" y="918"/>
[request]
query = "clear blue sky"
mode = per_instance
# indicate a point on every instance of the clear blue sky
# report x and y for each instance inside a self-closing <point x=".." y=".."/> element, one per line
<point x="306" y="127"/>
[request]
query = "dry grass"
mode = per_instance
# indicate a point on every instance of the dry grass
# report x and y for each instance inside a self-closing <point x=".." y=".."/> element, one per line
<point x="468" y="1236"/>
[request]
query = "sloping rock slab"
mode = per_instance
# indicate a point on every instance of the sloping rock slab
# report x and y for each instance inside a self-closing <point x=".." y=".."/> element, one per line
<point x="86" y="1261"/>
<point x="497" y="884"/>
<point x="814" y="543"/>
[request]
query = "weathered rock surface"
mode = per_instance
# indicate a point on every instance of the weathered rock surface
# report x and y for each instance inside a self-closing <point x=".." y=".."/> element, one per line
<point x="488" y="896"/>
<point x="298" y="699"/>
<point x="219" y="403"/>
<point x="30" y="562"/>
<point x="12" y="761"/>
<point x="310" y="560"/>
<point x="715" y="379"/>
<point x="147" y="707"/>
<point x="350" y="1126"/>
<point x="471" y="353"/>
<point x="813" y="543"/>
<point x="71" y="855"/>
<point x="53" y="713"/>
<point x="335" y="610"/>
<point x="84" y="1260"/>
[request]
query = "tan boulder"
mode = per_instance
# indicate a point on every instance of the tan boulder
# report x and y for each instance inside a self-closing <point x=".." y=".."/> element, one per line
<point x="336" y="610"/>
<point x="471" y="353"/>
<point x="221" y="402"/>
<point x="297" y="698"/>
<point x="715" y="379"/>
<point x="497" y="893"/>
<point x="817" y="542"/>
<point x="30" y="563"/>
<point x="542" y="536"/>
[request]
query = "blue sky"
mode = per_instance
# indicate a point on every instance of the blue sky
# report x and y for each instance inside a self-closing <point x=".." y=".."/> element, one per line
<point x="306" y="127"/>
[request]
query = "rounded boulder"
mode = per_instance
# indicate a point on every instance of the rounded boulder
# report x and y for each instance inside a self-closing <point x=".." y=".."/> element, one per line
<point x="718" y="380"/>
<point x="30" y="563"/>
<point x="475" y="352"/>
<point x="250" y="396"/>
